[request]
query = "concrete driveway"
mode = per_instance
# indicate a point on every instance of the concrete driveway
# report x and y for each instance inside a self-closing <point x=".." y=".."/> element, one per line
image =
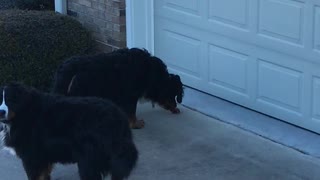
<point x="194" y="146"/>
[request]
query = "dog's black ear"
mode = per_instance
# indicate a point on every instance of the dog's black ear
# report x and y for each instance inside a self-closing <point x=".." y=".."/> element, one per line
<point x="177" y="81"/>
<point x="179" y="99"/>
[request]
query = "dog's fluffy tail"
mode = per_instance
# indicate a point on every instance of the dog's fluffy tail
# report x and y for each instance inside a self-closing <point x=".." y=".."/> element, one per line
<point x="62" y="79"/>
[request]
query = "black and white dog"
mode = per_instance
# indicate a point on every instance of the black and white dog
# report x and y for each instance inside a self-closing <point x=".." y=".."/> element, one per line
<point x="45" y="129"/>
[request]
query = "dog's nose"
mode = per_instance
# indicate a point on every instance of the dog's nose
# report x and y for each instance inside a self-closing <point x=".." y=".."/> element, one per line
<point x="2" y="113"/>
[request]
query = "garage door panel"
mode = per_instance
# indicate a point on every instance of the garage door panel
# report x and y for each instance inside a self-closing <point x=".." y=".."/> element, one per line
<point x="279" y="25"/>
<point x="184" y="51"/>
<point x="286" y="114"/>
<point x="262" y="54"/>
<point x="317" y="29"/>
<point x="228" y="69"/>
<point x="229" y="12"/>
<point x="179" y="8"/>
<point x="185" y="6"/>
<point x="261" y="29"/>
<point x="316" y="99"/>
<point x="279" y="86"/>
<point x="186" y="61"/>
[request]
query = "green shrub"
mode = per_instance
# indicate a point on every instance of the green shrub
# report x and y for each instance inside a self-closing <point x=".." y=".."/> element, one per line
<point x="35" y="4"/>
<point x="34" y="43"/>
<point x="6" y="4"/>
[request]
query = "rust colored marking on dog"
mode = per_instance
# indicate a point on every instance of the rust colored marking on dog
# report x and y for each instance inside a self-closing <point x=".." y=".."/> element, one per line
<point x="70" y="85"/>
<point x="11" y="115"/>
<point x="45" y="174"/>
<point x="134" y="123"/>
<point x="175" y="110"/>
<point x="170" y="107"/>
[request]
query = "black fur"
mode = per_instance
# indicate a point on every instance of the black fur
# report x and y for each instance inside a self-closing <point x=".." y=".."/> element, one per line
<point x="47" y="129"/>
<point x="123" y="76"/>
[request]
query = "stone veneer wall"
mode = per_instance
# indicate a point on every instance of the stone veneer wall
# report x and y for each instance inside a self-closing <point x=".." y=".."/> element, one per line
<point x="104" y="18"/>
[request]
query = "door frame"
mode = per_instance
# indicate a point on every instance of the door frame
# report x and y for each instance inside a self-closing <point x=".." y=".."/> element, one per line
<point x="60" y="6"/>
<point x="140" y="24"/>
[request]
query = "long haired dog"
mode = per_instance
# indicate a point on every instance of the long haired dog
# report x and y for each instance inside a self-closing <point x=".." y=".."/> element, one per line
<point x="123" y="76"/>
<point x="45" y="129"/>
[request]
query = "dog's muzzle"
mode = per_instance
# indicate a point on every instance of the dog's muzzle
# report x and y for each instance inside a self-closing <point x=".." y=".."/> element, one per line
<point x="3" y="115"/>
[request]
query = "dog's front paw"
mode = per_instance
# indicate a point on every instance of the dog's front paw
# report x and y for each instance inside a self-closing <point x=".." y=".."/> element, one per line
<point x="175" y="110"/>
<point x="137" y="124"/>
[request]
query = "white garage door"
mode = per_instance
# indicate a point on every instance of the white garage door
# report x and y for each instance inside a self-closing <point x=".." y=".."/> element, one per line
<point x="263" y="54"/>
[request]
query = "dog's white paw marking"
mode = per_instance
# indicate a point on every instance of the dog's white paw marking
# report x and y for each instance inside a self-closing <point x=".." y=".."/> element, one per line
<point x="3" y="133"/>
<point x="9" y="150"/>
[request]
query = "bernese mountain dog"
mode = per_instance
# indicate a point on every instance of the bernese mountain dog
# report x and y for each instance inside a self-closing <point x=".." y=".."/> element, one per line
<point x="44" y="129"/>
<point x="124" y="76"/>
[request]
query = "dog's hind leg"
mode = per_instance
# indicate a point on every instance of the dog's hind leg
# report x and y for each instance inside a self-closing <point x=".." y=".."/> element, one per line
<point x="116" y="178"/>
<point x="45" y="174"/>
<point x="37" y="171"/>
<point x="123" y="161"/>
<point x="92" y="168"/>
